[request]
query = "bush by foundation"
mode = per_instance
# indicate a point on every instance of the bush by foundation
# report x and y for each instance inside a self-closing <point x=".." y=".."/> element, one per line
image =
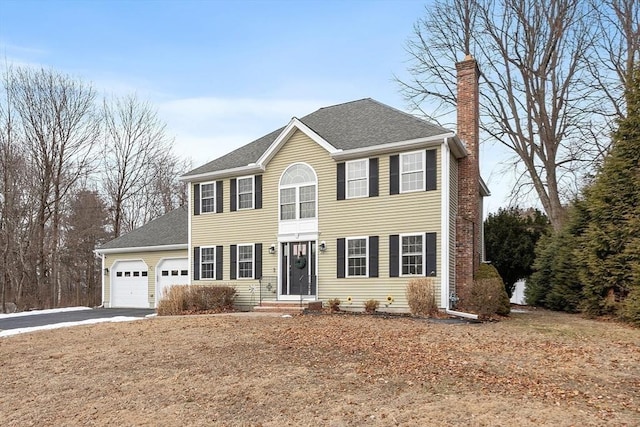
<point x="421" y="297"/>
<point x="190" y="299"/>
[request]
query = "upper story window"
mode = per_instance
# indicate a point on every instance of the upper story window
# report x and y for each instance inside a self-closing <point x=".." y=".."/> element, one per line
<point x="357" y="178"/>
<point x="208" y="197"/>
<point x="298" y="193"/>
<point x="245" y="193"/>
<point x="412" y="167"/>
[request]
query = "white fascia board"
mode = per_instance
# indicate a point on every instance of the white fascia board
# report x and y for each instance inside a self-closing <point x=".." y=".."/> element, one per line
<point x="249" y="169"/>
<point x="141" y="249"/>
<point x="457" y="147"/>
<point x="289" y="130"/>
<point x="484" y="189"/>
<point x="391" y="147"/>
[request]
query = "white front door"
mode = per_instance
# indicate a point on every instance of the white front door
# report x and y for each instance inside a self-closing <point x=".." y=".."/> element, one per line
<point x="130" y="284"/>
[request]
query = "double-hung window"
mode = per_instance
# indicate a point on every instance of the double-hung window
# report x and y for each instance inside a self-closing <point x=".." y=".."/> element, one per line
<point x="307" y="201"/>
<point x="357" y="257"/>
<point x="412" y="254"/>
<point x="245" y="261"/>
<point x="298" y="193"/>
<point x="208" y="197"/>
<point x="208" y="262"/>
<point x="245" y="193"/>
<point x="412" y="170"/>
<point x="357" y="178"/>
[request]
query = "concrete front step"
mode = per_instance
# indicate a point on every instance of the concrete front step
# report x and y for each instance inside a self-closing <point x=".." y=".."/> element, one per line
<point x="287" y="307"/>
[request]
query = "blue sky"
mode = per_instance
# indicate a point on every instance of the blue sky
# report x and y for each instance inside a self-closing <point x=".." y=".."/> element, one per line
<point x="223" y="73"/>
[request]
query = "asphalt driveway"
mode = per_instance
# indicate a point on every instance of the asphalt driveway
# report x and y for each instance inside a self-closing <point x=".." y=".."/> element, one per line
<point x="35" y="320"/>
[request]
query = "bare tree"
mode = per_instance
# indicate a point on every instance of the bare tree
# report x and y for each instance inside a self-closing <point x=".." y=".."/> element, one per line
<point x="537" y="96"/>
<point x="135" y="141"/>
<point x="60" y="127"/>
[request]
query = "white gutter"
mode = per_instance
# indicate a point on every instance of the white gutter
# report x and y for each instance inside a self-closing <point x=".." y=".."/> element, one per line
<point x="141" y="249"/>
<point x="189" y="212"/>
<point x="103" y="284"/>
<point x="391" y="146"/>
<point x="249" y="169"/>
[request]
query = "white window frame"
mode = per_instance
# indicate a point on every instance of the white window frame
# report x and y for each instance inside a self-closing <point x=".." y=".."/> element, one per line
<point x="404" y="173"/>
<point x="366" y="259"/>
<point x="422" y="254"/>
<point x="253" y="192"/>
<point x="213" y="277"/>
<point x="296" y="188"/>
<point x="215" y="190"/>
<point x="253" y="260"/>
<point x="366" y="178"/>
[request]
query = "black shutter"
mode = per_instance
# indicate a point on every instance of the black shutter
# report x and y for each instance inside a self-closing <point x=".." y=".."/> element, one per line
<point x="431" y="172"/>
<point x="394" y="255"/>
<point x="218" y="262"/>
<point x="258" y="189"/>
<point x="196" y="199"/>
<point x="341" y="181"/>
<point x="394" y="174"/>
<point x="232" y="194"/>
<point x="196" y="263"/>
<point x="373" y="177"/>
<point x="430" y="239"/>
<point x="234" y="262"/>
<point x="257" y="256"/>
<point x="219" y="194"/>
<point x="373" y="256"/>
<point x="341" y="258"/>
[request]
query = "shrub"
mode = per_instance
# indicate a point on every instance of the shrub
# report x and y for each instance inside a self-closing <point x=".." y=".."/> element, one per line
<point x="370" y="306"/>
<point x="421" y="297"/>
<point x="334" y="304"/>
<point x="630" y="311"/>
<point x="196" y="299"/>
<point x="488" y="295"/>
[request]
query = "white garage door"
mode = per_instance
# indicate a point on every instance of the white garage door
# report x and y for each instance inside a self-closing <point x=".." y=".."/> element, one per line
<point x="130" y="284"/>
<point x="171" y="272"/>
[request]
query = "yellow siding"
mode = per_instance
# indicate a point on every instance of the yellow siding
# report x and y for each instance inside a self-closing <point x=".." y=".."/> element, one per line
<point x="381" y="216"/>
<point x="150" y="258"/>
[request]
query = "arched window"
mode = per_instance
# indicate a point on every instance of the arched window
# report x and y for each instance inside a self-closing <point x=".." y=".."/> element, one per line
<point x="298" y="193"/>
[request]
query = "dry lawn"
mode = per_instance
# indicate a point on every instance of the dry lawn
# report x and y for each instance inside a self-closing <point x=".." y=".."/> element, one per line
<point x="539" y="368"/>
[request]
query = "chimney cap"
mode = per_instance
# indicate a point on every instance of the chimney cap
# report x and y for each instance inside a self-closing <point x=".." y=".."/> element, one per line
<point x="468" y="57"/>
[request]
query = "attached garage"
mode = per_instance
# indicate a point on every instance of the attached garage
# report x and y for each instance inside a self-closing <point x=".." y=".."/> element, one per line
<point x="130" y="284"/>
<point x="172" y="271"/>
<point x="139" y="265"/>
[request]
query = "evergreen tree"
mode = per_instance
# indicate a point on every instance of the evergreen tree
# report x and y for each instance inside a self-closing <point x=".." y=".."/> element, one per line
<point x="610" y="245"/>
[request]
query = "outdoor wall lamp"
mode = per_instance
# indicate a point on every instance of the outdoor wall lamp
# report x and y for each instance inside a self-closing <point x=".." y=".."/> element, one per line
<point x="323" y="246"/>
<point x="272" y="249"/>
<point x="106" y="271"/>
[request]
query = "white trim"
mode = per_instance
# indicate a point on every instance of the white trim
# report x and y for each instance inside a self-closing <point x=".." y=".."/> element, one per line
<point x="424" y="254"/>
<point x="215" y="266"/>
<point x="346" y="178"/>
<point x="249" y="169"/>
<point x="401" y="173"/>
<point x="215" y="197"/>
<point x="189" y="228"/>
<point x="253" y="192"/>
<point x="484" y="189"/>
<point x="445" y="225"/>
<point x="346" y="256"/>
<point x="289" y="130"/>
<point x="142" y="249"/>
<point x="104" y="290"/>
<point x="253" y="260"/>
<point x="394" y="147"/>
<point x="297" y="188"/>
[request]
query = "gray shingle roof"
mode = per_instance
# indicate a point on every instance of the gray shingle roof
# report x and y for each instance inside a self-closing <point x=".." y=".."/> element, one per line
<point x="169" y="229"/>
<point x="355" y="124"/>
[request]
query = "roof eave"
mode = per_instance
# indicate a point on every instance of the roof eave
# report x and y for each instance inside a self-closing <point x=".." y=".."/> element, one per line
<point x="484" y="188"/>
<point x="391" y="147"/>
<point x="249" y="169"/>
<point x="158" y="248"/>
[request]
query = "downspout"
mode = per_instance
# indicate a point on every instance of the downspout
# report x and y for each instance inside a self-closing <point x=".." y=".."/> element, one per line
<point x="446" y="200"/>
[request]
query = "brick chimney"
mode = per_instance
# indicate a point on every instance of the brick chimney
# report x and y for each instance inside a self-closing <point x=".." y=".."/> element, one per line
<point x="469" y="215"/>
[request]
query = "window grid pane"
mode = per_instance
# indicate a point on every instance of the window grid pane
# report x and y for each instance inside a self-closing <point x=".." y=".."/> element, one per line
<point x="308" y="201"/>
<point x="245" y="261"/>
<point x="207" y="197"/>
<point x="245" y="193"/>
<point x="207" y="263"/>
<point x="412" y="255"/>
<point x="357" y="257"/>
<point x="412" y="172"/>
<point x="287" y="203"/>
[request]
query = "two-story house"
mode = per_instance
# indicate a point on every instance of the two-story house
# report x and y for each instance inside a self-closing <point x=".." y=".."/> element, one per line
<point x="351" y="201"/>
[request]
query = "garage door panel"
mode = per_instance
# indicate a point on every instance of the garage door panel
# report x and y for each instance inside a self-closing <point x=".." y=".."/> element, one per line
<point x="130" y="284"/>
<point x="171" y="272"/>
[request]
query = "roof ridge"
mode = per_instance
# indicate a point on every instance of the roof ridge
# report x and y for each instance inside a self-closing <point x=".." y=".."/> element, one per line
<point x="344" y="103"/>
<point x="412" y="116"/>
